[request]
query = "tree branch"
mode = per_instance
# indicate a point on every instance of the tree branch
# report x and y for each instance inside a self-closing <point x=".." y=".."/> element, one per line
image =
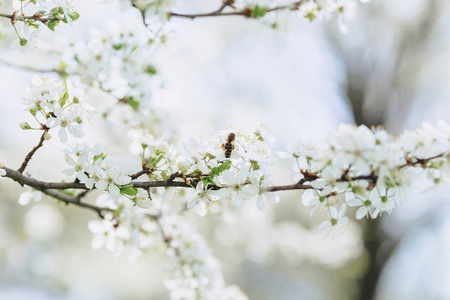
<point x="30" y="155"/>
<point x="36" y="17"/>
<point x="48" y="188"/>
<point x="246" y="12"/>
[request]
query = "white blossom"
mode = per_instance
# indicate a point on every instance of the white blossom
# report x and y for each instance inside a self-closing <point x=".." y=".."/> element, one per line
<point x="235" y="189"/>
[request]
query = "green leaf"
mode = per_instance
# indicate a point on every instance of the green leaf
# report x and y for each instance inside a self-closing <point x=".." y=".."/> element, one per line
<point x="118" y="46"/>
<point x="219" y="169"/>
<point x="311" y="16"/>
<point x="133" y="103"/>
<point x="259" y="11"/>
<point x="128" y="190"/>
<point x="150" y="69"/>
<point x="209" y="155"/>
<point x="101" y="155"/>
<point x="165" y="175"/>
<point x="158" y="159"/>
<point x="33" y="24"/>
<point x="52" y="23"/>
<point x="54" y="12"/>
<point x="225" y="166"/>
<point x="74" y="16"/>
<point x="207" y="180"/>
<point x="33" y="111"/>
<point x="62" y="101"/>
<point x="255" y="164"/>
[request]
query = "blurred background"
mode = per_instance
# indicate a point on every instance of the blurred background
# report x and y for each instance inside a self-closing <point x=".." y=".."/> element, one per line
<point x="391" y="69"/>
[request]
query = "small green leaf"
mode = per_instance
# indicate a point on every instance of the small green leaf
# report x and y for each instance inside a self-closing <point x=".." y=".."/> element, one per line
<point x="255" y="165"/>
<point x="74" y="16"/>
<point x="133" y="103"/>
<point x="207" y="180"/>
<point x="158" y="159"/>
<point x="33" y="111"/>
<point x="54" y="12"/>
<point x="52" y="23"/>
<point x="128" y="190"/>
<point x="62" y="101"/>
<point x="118" y="46"/>
<point x="33" y="24"/>
<point x="150" y="69"/>
<point x="209" y="155"/>
<point x="259" y="11"/>
<point x="311" y="16"/>
<point x="219" y="169"/>
<point x="101" y="155"/>
<point x="165" y="175"/>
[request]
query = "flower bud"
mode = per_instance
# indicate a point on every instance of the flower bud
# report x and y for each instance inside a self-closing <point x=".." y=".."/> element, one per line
<point x="25" y="125"/>
<point x="47" y="136"/>
<point x="183" y="165"/>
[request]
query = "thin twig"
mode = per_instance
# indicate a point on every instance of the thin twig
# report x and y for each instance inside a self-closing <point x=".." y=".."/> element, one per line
<point x="30" y="155"/>
<point x="28" y="68"/>
<point x="246" y="12"/>
<point x="34" y="18"/>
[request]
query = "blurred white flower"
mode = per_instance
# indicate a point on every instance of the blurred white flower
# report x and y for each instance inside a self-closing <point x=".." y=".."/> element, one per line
<point x="203" y="198"/>
<point x="336" y="222"/>
<point x="235" y="189"/>
<point x="111" y="176"/>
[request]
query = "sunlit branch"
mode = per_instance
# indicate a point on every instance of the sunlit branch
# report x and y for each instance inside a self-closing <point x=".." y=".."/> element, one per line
<point x="35" y="17"/>
<point x="32" y="152"/>
<point x="246" y="12"/>
<point x="52" y="189"/>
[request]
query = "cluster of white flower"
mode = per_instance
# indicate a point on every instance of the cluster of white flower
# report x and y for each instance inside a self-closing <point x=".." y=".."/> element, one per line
<point x="127" y="227"/>
<point x="345" y="9"/>
<point x="371" y="169"/>
<point x="309" y="9"/>
<point x="120" y="62"/>
<point x="61" y="104"/>
<point x="241" y="176"/>
<point x="49" y="13"/>
<point x="93" y="167"/>
<point x="195" y="272"/>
